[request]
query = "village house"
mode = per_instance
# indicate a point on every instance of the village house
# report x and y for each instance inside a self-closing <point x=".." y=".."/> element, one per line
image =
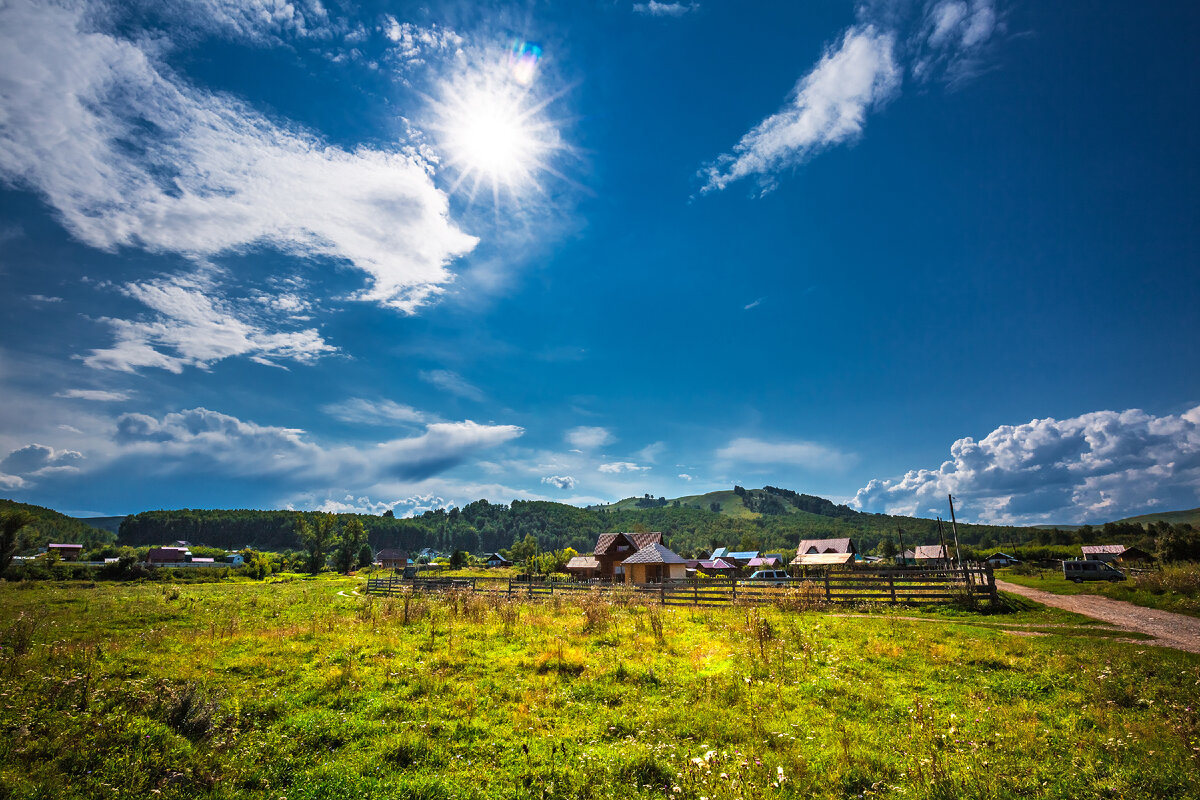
<point x="391" y="558"/>
<point x="824" y="552"/>
<point x="654" y="563"/>
<point x="611" y="551"/>
<point x="1114" y="553"/>
<point x="932" y="555"/>
<point x="497" y="560"/>
<point x="583" y="568"/>
<point x="168" y="555"/>
<point x="1000" y="560"/>
<point x="67" y="552"/>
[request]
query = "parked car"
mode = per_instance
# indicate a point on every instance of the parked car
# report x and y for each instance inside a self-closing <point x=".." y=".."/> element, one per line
<point x="1087" y="570"/>
<point x="775" y="577"/>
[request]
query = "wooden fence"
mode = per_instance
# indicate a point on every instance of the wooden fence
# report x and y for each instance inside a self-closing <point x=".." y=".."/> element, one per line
<point x="912" y="586"/>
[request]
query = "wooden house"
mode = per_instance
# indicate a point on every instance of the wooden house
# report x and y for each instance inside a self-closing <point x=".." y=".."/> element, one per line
<point x="654" y="563"/>
<point x="1000" y="560"/>
<point x="932" y="555"/>
<point x="67" y="552"/>
<point x="497" y="560"/>
<point x="391" y="558"/>
<point x="584" y="568"/>
<point x="613" y="548"/>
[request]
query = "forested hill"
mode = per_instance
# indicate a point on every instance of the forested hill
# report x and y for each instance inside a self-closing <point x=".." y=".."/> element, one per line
<point x="51" y="526"/>
<point x="689" y="528"/>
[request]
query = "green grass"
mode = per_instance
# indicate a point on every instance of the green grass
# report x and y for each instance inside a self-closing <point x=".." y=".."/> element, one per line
<point x="1190" y="517"/>
<point x="290" y="689"/>
<point x="1173" y="588"/>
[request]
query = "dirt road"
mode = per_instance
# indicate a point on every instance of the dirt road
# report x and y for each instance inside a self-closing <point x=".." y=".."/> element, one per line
<point x="1168" y="629"/>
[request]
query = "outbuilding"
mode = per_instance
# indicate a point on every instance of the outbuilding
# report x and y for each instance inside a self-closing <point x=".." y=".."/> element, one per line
<point x="654" y="563"/>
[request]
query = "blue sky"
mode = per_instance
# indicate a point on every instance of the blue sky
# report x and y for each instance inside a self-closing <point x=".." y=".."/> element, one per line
<point x="386" y="255"/>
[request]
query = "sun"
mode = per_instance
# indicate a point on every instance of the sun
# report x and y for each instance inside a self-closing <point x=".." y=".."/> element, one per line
<point x="490" y="127"/>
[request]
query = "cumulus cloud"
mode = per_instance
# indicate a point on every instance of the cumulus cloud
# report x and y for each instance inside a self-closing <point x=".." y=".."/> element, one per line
<point x="616" y="467"/>
<point x="360" y="411"/>
<point x="561" y="481"/>
<point x="129" y="155"/>
<point x="747" y="450"/>
<point x="98" y="395"/>
<point x="193" y="326"/>
<point x="859" y="74"/>
<point x="1092" y="468"/>
<point x="453" y="383"/>
<point x="589" y="438"/>
<point x="405" y="507"/>
<point x="656" y="9"/>
<point x="21" y="466"/>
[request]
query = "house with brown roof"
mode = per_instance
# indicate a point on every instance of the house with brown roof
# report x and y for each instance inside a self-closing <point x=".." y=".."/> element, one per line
<point x="391" y="558"/>
<point x="654" y="563"/>
<point x="613" y="548"/>
<point x="168" y="555"/>
<point x="932" y="555"/>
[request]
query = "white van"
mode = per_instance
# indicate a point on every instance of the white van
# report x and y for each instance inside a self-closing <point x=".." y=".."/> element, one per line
<point x="1084" y="570"/>
<point x="776" y="576"/>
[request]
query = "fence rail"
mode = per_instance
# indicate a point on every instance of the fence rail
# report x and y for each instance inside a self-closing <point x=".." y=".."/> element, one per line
<point x="908" y="586"/>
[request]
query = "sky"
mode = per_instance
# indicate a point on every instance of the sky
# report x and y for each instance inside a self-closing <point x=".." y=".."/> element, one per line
<point x="369" y="256"/>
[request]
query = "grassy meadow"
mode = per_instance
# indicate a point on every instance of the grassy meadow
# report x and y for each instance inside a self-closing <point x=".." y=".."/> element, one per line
<point x="1171" y="588"/>
<point x="298" y="690"/>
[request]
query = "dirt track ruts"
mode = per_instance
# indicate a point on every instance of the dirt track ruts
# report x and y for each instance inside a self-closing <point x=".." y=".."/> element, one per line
<point x="1168" y="628"/>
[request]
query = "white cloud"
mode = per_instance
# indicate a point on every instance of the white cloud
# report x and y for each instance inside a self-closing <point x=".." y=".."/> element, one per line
<point x="360" y="411"/>
<point x="656" y="9"/>
<point x="685" y="476"/>
<point x="36" y="461"/>
<point x="755" y="304"/>
<point x="1091" y="468"/>
<point x="261" y="21"/>
<point x="953" y="38"/>
<point x="651" y="452"/>
<point x="617" y="467"/>
<point x="41" y="298"/>
<point x="193" y="326"/>
<point x="130" y="156"/>
<point x="415" y="44"/>
<point x="406" y="507"/>
<point x="453" y="383"/>
<point x="746" y="450"/>
<point x="589" y="438"/>
<point x="98" y="395"/>
<point x="561" y="481"/>
<point x="828" y="106"/>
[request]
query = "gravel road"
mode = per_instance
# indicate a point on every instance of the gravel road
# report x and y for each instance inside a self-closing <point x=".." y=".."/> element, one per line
<point x="1168" y="629"/>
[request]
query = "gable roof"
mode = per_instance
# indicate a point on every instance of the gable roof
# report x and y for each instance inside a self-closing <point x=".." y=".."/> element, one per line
<point x="583" y="562"/>
<point x="931" y="551"/>
<point x="635" y="540"/>
<point x="825" y="546"/>
<point x="765" y="561"/>
<point x="391" y="554"/>
<point x="1106" y="549"/>
<point x="654" y="553"/>
<point x="822" y="559"/>
<point x="716" y="563"/>
<point x="719" y="552"/>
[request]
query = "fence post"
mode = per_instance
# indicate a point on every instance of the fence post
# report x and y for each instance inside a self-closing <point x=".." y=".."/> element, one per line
<point x="892" y="586"/>
<point x="695" y="593"/>
<point x="828" y="597"/>
<point x="662" y="594"/>
<point x="733" y="587"/>
<point x="509" y="592"/>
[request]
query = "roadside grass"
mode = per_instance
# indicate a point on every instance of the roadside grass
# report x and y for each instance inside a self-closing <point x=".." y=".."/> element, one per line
<point x="291" y="690"/>
<point x="1172" y="588"/>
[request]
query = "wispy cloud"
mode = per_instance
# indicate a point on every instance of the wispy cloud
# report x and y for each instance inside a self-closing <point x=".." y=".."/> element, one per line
<point x="685" y="476"/>
<point x="41" y="298"/>
<point x="129" y="155"/>
<point x="98" y="395"/>
<point x="194" y="327"/>
<point x="412" y="44"/>
<point x="1092" y="468"/>
<point x="858" y="74"/>
<point x="360" y="411"/>
<point x="748" y="450"/>
<point x="656" y="9"/>
<point x="616" y="467"/>
<point x="755" y="304"/>
<point x="453" y="383"/>
<point x="589" y="437"/>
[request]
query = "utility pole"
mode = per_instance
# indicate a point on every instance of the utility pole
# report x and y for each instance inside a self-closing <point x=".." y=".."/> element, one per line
<point x="900" y="531"/>
<point x="954" y="528"/>
<point x="942" y="539"/>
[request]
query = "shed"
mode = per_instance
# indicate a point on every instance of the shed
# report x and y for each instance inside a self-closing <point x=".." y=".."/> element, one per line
<point x="584" y="567"/>
<point x="654" y="563"/>
<point x="1102" y="552"/>
<point x="167" y="555"/>
<point x="1131" y="554"/>
<point x="67" y="552"/>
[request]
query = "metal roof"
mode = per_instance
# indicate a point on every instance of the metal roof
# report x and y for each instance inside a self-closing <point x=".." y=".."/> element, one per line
<point x="822" y="559"/>
<point x="654" y="553"/>
<point x="825" y="546"/>
<point x="583" y="562"/>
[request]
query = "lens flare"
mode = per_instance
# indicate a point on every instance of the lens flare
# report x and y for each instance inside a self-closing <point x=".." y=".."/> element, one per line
<point x="523" y="60"/>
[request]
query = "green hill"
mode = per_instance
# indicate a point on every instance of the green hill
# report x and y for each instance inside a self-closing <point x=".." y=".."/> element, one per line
<point x="1191" y="517"/>
<point x="52" y="526"/>
<point x="112" y="524"/>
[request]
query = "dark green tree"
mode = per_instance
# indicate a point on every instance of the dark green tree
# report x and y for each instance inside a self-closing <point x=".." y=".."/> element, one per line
<point x="348" y="544"/>
<point x="887" y="548"/>
<point x="317" y="538"/>
<point x="11" y="523"/>
<point x="366" y="556"/>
